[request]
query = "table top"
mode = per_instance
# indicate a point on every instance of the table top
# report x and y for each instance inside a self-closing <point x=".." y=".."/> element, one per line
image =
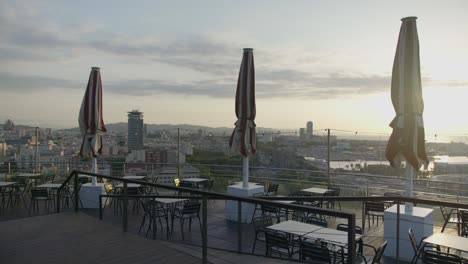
<point x="129" y="185"/>
<point x="170" y="200"/>
<point x="330" y="235"/>
<point x="134" y="177"/>
<point x="28" y="175"/>
<point x="294" y="227"/>
<point x="4" y="184"/>
<point x="448" y="240"/>
<point x="194" y="180"/>
<point x="84" y="176"/>
<point x="315" y="190"/>
<point x="49" y="185"/>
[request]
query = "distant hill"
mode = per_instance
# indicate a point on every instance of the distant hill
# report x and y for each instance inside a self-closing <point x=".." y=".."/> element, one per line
<point x="121" y="128"/>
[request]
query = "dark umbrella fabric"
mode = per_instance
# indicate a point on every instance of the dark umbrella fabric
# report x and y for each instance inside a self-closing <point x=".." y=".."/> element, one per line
<point x="90" y="118"/>
<point x="407" y="140"/>
<point x="243" y="137"/>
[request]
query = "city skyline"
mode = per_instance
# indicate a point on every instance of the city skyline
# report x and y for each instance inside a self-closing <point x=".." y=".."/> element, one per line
<point x="326" y="61"/>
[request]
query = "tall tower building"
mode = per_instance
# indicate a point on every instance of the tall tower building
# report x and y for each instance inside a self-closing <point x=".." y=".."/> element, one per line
<point x="309" y="129"/>
<point x="135" y="130"/>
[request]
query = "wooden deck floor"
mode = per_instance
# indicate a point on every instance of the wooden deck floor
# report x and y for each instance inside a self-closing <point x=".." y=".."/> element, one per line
<point x="82" y="238"/>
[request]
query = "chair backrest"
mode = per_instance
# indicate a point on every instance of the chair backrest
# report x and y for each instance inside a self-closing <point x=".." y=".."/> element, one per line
<point x="463" y="215"/>
<point x="268" y="209"/>
<point x="276" y="239"/>
<point x="261" y="222"/>
<point x="375" y="206"/>
<point x="344" y="227"/>
<point x="272" y="189"/>
<point x="315" y="251"/>
<point x="443" y="211"/>
<point x="412" y="238"/>
<point x="379" y="253"/>
<point x="39" y="193"/>
<point x="192" y="208"/>
<point x="336" y="190"/>
<point x="311" y="219"/>
<point x="185" y="184"/>
<point x="438" y="257"/>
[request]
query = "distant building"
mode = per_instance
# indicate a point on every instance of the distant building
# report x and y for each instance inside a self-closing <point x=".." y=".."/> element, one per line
<point x="302" y="132"/>
<point x="3" y="149"/>
<point x="135" y="130"/>
<point x="310" y="129"/>
<point x="9" y="125"/>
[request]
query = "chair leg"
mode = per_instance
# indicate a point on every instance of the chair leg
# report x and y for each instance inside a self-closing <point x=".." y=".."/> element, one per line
<point x="255" y="241"/>
<point x="182" y="227"/>
<point x="142" y="223"/>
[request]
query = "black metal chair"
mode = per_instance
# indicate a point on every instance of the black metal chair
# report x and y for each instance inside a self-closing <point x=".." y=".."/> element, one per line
<point x="188" y="212"/>
<point x="450" y="218"/>
<point x="357" y="230"/>
<point x="315" y="252"/>
<point x="272" y="189"/>
<point x="260" y="223"/>
<point x="419" y="247"/>
<point x="278" y="242"/>
<point x="438" y="257"/>
<point x="156" y="213"/>
<point x="40" y="195"/>
<point x="273" y="212"/>
<point x="314" y="220"/>
<point x="374" y="209"/>
<point x="378" y="254"/>
<point x="463" y="215"/>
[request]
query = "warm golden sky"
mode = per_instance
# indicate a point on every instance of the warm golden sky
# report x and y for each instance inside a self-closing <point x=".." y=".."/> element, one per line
<point x="177" y="61"/>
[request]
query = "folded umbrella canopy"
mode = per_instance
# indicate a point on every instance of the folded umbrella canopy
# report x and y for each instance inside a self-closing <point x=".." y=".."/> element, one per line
<point x="407" y="139"/>
<point x="243" y="138"/>
<point x="90" y="118"/>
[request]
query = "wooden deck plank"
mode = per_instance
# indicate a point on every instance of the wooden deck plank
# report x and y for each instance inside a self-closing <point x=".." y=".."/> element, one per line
<point x="79" y="238"/>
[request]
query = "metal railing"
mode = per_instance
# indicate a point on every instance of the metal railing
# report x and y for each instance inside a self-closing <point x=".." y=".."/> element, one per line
<point x="205" y="195"/>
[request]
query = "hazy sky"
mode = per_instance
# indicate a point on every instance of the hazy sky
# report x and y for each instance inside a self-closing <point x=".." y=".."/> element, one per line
<point x="178" y="61"/>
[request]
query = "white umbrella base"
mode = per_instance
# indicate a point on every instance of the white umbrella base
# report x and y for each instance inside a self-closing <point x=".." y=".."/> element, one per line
<point x="247" y="208"/>
<point x="420" y="219"/>
<point x="89" y="195"/>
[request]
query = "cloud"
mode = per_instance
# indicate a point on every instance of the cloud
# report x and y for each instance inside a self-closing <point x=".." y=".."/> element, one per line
<point x="30" y="83"/>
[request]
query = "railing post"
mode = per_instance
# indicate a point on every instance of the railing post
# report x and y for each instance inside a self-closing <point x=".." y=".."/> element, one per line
<point x="100" y="207"/>
<point x="352" y="239"/>
<point x="75" y="190"/>
<point x="205" y="230"/>
<point x="153" y="212"/>
<point x="398" y="232"/>
<point x="124" y="208"/>
<point x="239" y="226"/>
<point x="58" y="200"/>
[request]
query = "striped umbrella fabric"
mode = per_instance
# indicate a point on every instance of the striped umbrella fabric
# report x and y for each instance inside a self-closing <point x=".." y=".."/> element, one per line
<point x="243" y="137"/>
<point x="90" y="119"/>
<point x="407" y="139"/>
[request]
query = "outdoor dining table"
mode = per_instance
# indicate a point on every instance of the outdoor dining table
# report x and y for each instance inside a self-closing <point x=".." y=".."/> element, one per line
<point x="28" y="175"/>
<point x="49" y="185"/>
<point x="129" y="185"/>
<point x="294" y="227"/>
<point x="329" y="235"/>
<point x="194" y="181"/>
<point x="315" y="190"/>
<point x="448" y="240"/>
<point x="170" y="204"/>
<point x="6" y="184"/>
<point x="134" y="177"/>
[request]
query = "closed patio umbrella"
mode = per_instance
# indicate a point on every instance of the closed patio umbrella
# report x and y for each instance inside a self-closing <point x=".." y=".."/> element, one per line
<point x="407" y="139"/>
<point x="90" y="119"/>
<point x="243" y="137"/>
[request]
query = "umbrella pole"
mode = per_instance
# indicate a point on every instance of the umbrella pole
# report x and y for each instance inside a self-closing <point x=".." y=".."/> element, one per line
<point x="409" y="186"/>
<point x="94" y="169"/>
<point x="245" y="180"/>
